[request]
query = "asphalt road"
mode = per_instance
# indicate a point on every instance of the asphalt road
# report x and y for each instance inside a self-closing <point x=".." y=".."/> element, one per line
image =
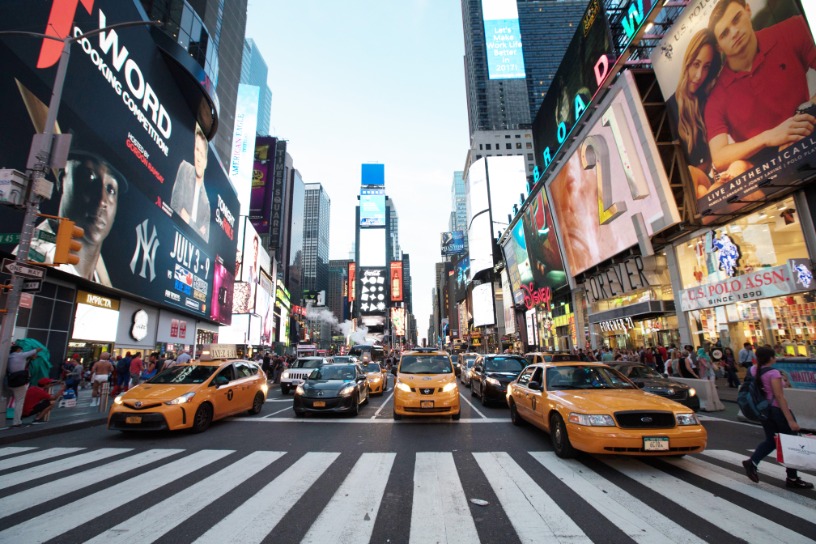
<point x="277" y="478"/>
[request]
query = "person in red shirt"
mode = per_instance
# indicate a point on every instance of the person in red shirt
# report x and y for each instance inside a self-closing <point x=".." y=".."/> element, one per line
<point x="759" y="99"/>
<point x="38" y="402"/>
<point x="136" y="367"/>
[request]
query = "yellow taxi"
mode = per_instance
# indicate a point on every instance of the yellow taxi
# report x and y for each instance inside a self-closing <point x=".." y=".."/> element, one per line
<point x="377" y="378"/>
<point x="425" y="385"/>
<point x="191" y="396"/>
<point x="593" y="408"/>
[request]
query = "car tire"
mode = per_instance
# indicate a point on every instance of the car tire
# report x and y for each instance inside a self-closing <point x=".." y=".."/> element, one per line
<point x="299" y="414"/>
<point x="202" y="419"/>
<point x="515" y="418"/>
<point x="397" y="416"/>
<point x="457" y="416"/>
<point x="257" y="404"/>
<point x="355" y="406"/>
<point x="285" y="388"/>
<point x="559" y="437"/>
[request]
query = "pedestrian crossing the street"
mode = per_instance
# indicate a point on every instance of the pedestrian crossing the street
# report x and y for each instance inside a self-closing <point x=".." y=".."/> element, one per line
<point x="223" y="495"/>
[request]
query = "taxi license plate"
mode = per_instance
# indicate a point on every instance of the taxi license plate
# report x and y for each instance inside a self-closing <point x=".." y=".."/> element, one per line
<point x="133" y="420"/>
<point x="426" y="404"/>
<point x="319" y="404"/>
<point x="655" y="443"/>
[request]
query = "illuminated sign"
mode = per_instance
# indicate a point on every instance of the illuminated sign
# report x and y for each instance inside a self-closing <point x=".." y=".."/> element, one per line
<point x="373" y="291"/>
<point x="99" y="301"/>
<point x="453" y="243"/>
<point x="372" y="210"/>
<point x="373" y="174"/>
<point x="483" y="312"/>
<point x="619" y="279"/>
<point x="396" y="281"/>
<point x="617" y="325"/>
<point x="533" y="297"/>
<point x="243" y="144"/>
<point x="505" y="59"/>
<point x="352" y="280"/>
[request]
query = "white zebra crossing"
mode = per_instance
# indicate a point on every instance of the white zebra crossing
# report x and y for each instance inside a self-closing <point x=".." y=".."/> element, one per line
<point x="13" y="450"/>
<point x="56" y="467"/>
<point x="37" y="456"/>
<point x="440" y="511"/>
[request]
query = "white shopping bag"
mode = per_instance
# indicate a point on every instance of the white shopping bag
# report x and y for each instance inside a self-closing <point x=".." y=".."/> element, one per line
<point x="797" y="452"/>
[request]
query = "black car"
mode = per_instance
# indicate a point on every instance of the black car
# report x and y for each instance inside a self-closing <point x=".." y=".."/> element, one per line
<point x="491" y="374"/>
<point x="332" y="388"/>
<point x="653" y="382"/>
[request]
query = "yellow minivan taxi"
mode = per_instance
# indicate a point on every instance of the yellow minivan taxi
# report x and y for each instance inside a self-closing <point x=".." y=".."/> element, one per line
<point x="426" y="386"/>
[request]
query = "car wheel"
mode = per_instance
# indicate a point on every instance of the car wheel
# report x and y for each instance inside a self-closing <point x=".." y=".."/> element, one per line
<point x="355" y="406"/>
<point x="203" y="418"/>
<point x="285" y="388"/>
<point x="257" y="404"/>
<point x="514" y="415"/>
<point x="300" y="414"/>
<point x="397" y="416"/>
<point x="559" y="437"/>
<point x="456" y="416"/>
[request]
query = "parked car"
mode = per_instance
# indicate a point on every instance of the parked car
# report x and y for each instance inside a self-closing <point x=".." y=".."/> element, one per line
<point x="190" y="396"/>
<point x="425" y="386"/>
<point x="300" y="370"/>
<point x="653" y="382"/>
<point x="467" y="365"/>
<point x="491" y="374"/>
<point x="332" y="388"/>
<point x="593" y="408"/>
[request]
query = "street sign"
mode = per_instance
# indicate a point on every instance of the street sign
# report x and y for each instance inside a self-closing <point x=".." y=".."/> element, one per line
<point x="10" y="267"/>
<point x="46" y="236"/>
<point x="32" y="286"/>
<point x="10" y="238"/>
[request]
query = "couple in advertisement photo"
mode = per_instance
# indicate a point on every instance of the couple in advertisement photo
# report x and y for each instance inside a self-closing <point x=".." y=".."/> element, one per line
<point x="741" y="95"/>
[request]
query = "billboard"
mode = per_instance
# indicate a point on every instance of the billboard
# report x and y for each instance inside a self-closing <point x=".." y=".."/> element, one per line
<point x="505" y="58"/>
<point x="612" y="184"/>
<point x="453" y="243"/>
<point x="251" y="260"/>
<point x="260" y="202"/>
<point x="507" y="182"/>
<point x="507" y="303"/>
<point x="372" y="210"/>
<point x="398" y="321"/>
<point x="396" y="281"/>
<point x="243" y="144"/>
<point x="543" y="249"/>
<point x="745" y="137"/>
<point x="480" y="233"/>
<point x="462" y="273"/>
<point x="352" y="281"/>
<point x="141" y="179"/>
<point x="373" y="290"/>
<point x="372" y="247"/>
<point x="518" y="263"/>
<point x="373" y="174"/>
<point x="483" y="313"/>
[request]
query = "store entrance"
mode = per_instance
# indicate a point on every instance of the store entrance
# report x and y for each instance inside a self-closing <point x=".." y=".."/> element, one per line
<point x="87" y="353"/>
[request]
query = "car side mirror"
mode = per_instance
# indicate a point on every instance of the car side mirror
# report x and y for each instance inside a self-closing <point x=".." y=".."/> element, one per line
<point x="535" y="386"/>
<point x="221" y="380"/>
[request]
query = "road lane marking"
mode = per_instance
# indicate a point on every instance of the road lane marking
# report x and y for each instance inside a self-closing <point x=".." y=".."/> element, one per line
<point x="278" y="412"/>
<point x="66" y="518"/>
<point x="55" y="467"/>
<point x="385" y="402"/>
<point x="254" y="520"/>
<point x="766" y="468"/>
<point x="472" y="406"/>
<point x="737" y="521"/>
<point x="636" y="519"/>
<point x="440" y="511"/>
<point x="387" y="421"/>
<point x="37" y="456"/>
<point x="350" y="515"/>
<point x="14" y="450"/>
<point x="535" y="516"/>
<point x="152" y="523"/>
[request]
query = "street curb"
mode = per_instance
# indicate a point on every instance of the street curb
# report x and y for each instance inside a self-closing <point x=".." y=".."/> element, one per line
<point x="45" y="430"/>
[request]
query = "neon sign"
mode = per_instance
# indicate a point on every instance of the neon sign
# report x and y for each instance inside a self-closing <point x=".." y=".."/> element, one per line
<point x="533" y="297"/>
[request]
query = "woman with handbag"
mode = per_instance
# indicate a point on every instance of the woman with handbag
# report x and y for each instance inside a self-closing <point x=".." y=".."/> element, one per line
<point x="18" y="378"/>
<point x="780" y="418"/>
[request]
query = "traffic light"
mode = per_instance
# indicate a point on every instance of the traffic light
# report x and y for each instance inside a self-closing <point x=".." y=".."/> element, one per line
<point x="68" y="244"/>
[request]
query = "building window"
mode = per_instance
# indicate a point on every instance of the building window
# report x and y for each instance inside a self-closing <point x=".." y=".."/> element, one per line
<point x="529" y="156"/>
<point x="508" y="145"/>
<point x="487" y="146"/>
<point x="518" y="145"/>
<point x="529" y="145"/>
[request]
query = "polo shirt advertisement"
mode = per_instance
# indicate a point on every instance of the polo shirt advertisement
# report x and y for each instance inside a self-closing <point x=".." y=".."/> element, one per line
<point x="158" y="211"/>
<point x="738" y="82"/>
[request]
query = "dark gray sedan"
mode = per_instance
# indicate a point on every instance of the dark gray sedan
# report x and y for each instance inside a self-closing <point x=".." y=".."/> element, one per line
<point x="332" y="388"/>
<point x="653" y="382"/>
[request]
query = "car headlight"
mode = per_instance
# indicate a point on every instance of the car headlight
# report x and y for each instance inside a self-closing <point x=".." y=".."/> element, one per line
<point x="285" y="373"/>
<point x="118" y="399"/>
<point x="347" y="390"/>
<point x="493" y="381"/>
<point x="374" y="378"/>
<point x="692" y="392"/>
<point x="404" y="387"/>
<point x="686" y="419"/>
<point x="265" y="387"/>
<point x="299" y="390"/>
<point x="449" y="387"/>
<point x="185" y="398"/>
<point x="592" y="420"/>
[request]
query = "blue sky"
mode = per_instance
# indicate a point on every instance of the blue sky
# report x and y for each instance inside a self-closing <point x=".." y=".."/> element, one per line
<point x="372" y="81"/>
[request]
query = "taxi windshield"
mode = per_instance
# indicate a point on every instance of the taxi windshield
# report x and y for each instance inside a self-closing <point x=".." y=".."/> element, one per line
<point x="308" y="363"/>
<point x="185" y="374"/>
<point x="585" y="377"/>
<point x="334" y="372"/>
<point x="425" y="364"/>
<point x="504" y="364"/>
<point x="372" y="367"/>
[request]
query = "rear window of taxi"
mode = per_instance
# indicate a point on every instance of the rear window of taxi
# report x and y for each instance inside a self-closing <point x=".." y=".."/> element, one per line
<point x="425" y="364"/>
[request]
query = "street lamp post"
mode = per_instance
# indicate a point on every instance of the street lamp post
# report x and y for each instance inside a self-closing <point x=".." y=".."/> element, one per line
<point x="38" y="186"/>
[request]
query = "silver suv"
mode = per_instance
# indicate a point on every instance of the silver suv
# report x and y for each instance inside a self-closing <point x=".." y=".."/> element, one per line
<point x="300" y="370"/>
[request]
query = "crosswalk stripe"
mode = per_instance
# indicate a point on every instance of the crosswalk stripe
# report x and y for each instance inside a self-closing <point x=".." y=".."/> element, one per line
<point x="63" y="519"/>
<point x="45" y="492"/>
<point x="13" y="450"/>
<point x="737" y="521"/>
<point x="535" y="516"/>
<point x="150" y="524"/>
<point x="762" y="494"/>
<point x="440" y="510"/>
<point x="638" y="520"/>
<point x="55" y="467"/>
<point x="254" y="520"/>
<point x="350" y="515"/>
<point x="765" y="469"/>
<point x="37" y="456"/>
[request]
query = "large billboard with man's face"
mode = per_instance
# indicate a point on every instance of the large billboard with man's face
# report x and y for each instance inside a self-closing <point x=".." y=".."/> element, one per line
<point x="613" y="184"/>
<point x="159" y="214"/>
<point x="738" y="82"/>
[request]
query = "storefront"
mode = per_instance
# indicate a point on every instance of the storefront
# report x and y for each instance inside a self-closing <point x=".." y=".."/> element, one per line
<point x="136" y="330"/>
<point x="175" y="332"/>
<point x="563" y="322"/>
<point x="751" y="281"/>
<point x="96" y="319"/>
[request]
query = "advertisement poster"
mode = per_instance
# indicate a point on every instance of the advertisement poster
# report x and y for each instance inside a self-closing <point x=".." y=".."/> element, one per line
<point x="373" y="300"/>
<point x="372" y="210"/>
<point x="251" y="260"/>
<point x="543" y="250"/>
<point x="480" y="229"/>
<point x="396" y="281"/>
<point x="505" y="58"/>
<point x="613" y="179"/>
<point x="461" y="269"/>
<point x="260" y="201"/>
<point x="483" y="312"/>
<point x="243" y="144"/>
<point x="518" y="263"/>
<point x="453" y="243"/>
<point x="158" y="211"/>
<point x="739" y="99"/>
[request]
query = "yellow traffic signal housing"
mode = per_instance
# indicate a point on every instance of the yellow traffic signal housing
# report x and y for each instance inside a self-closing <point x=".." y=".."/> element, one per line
<point x="68" y="244"/>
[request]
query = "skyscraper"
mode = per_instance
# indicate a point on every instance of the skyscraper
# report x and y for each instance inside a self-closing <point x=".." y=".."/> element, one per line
<point x="316" y="218"/>
<point x="393" y="229"/>
<point x="459" y="204"/>
<point x="255" y="72"/>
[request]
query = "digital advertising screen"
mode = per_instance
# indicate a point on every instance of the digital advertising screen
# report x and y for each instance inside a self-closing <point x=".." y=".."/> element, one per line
<point x="263" y="187"/>
<point x="396" y="281"/>
<point x="518" y="263"/>
<point x="373" y="290"/>
<point x="480" y="232"/>
<point x="453" y="243"/>
<point x="372" y="210"/>
<point x="507" y="180"/>
<point x="372" y="174"/>
<point x="252" y="260"/>
<point x="507" y="303"/>
<point x="372" y="247"/>
<point x="461" y="270"/>
<point x="613" y="178"/>
<point x="505" y="58"/>
<point x="141" y="178"/>
<point x="543" y="249"/>
<point x="483" y="313"/>
<point x="243" y="144"/>
<point x="743" y="137"/>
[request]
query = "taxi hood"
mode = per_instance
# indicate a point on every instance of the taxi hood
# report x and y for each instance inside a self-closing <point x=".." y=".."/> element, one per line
<point x="606" y="401"/>
<point x="426" y="380"/>
<point x="159" y="391"/>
